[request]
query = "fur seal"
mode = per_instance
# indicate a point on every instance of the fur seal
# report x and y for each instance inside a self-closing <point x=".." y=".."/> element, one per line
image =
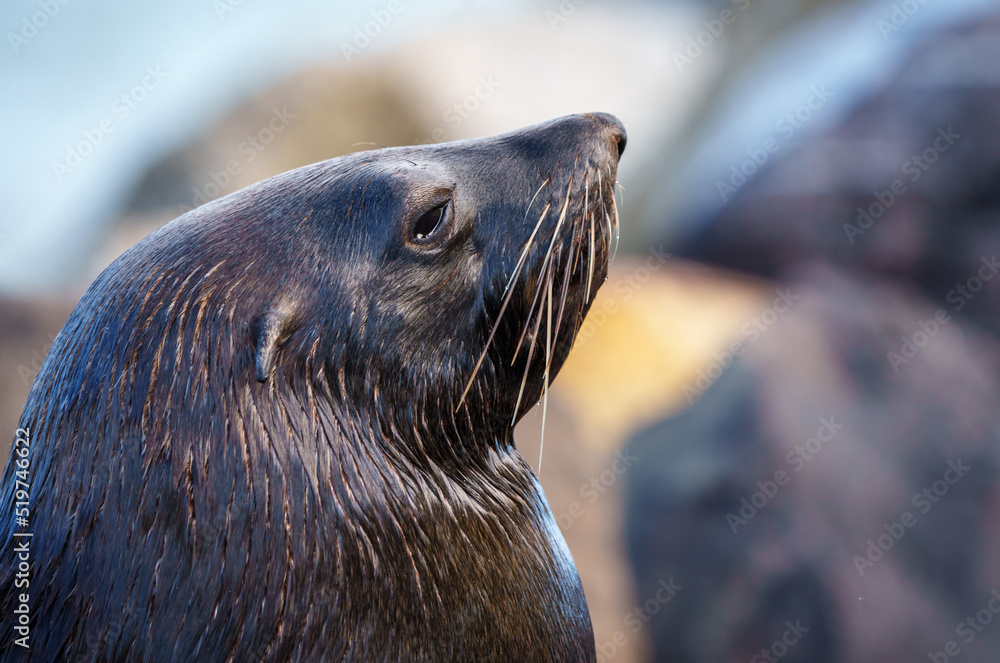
<point x="280" y="427"/>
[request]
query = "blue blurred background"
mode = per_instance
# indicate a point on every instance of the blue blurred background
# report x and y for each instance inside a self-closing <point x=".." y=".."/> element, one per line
<point x="810" y="223"/>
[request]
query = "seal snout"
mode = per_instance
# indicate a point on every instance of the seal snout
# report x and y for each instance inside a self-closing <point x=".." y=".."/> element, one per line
<point x="613" y="129"/>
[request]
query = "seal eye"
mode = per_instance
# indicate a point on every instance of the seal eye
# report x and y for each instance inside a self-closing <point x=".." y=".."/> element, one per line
<point x="428" y="224"/>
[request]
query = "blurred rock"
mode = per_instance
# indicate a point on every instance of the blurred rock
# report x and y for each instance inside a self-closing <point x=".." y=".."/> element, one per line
<point x="831" y="446"/>
<point x="906" y="185"/>
<point x="795" y="491"/>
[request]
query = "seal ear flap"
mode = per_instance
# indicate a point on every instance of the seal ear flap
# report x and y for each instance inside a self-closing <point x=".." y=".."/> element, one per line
<point x="273" y="329"/>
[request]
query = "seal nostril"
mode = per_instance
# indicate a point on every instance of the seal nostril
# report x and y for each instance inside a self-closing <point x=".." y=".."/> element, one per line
<point x="622" y="140"/>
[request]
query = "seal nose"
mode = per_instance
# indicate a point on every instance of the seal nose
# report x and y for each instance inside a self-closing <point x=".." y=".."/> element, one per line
<point x="613" y="128"/>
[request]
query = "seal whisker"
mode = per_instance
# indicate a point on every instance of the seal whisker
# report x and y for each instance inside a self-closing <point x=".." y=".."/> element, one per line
<point x="552" y="336"/>
<point x="545" y="378"/>
<point x="527" y="366"/>
<point x="562" y="218"/>
<point x="548" y="180"/>
<point x="507" y="295"/>
<point x="545" y="264"/>
<point x="604" y="209"/>
<point x="532" y="201"/>
<point x="562" y="298"/>
<point x="527" y="247"/>
<point x="542" y="274"/>
<point x="590" y="260"/>
<point x="617" y="225"/>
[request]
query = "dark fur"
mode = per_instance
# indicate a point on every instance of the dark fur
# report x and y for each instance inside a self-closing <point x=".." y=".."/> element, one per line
<point x="245" y="444"/>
